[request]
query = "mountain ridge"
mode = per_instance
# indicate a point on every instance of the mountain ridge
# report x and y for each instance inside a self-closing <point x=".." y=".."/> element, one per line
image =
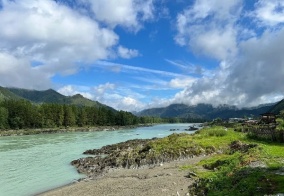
<point x="205" y="111"/>
<point x="199" y="111"/>
<point x="277" y="107"/>
<point x="48" y="96"/>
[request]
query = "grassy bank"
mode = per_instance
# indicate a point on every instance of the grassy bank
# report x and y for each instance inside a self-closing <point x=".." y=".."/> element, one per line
<point x="239" y="166"/>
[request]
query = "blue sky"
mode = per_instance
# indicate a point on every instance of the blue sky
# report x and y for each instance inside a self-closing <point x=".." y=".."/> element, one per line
<point x="137" y="54"/>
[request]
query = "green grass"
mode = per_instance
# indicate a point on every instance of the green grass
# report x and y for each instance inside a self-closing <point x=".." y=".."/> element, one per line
<point x="228" y="172"/>
<point x="206" y="137"/>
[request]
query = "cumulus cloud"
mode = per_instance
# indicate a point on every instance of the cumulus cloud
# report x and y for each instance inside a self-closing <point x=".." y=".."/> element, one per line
<point x="48" y="30"/>
<point x="61" y="39"/>
<point x="209" y="28"/>
<point x="118" y="97"/>
<point x="52" y="34"/>
<point x="70" y="90"/>
<point x="126" y="13"/>
<point x="17" y="72"/>
<point x="127" y="53"/>
<point x="254" y="74"/>
<point x="101" y="89"/>
<point x="269" y="13"/>
<point x="109" y="94"/>
<point x="181" y="82"/>
<point x="259" y="72"/>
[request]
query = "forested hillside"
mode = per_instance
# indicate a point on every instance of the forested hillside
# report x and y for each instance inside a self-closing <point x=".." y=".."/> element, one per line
<point x="52" y="96"/>
<point x="21" y="114"/>
<point x="6" y="94"/>
<point x="205" y="111"/>
<point x="277" y="108"/>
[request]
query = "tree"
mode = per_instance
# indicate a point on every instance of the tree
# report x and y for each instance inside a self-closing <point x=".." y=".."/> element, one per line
<point x="59" y="115"/>
<point x="69" y="116"/>
<point x="82" y="119"/>
<point x="3" y="118"/>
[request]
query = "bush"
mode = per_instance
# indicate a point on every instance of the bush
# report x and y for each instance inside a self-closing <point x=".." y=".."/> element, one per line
<point x="216" y="131"/>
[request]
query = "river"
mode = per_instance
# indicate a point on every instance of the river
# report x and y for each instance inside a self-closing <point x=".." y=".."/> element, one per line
<point x="36" y="163"/>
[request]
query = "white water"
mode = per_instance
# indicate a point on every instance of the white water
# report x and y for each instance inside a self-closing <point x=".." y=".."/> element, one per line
<point x="37" y="163"/>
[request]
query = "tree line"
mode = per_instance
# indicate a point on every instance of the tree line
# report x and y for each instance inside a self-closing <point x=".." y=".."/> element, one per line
<point x="22" y="114"/>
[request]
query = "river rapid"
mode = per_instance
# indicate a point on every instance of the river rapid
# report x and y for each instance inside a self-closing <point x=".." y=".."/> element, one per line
<point x="37" y="163"/>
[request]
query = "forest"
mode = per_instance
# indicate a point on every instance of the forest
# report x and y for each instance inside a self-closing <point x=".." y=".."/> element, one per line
<point x="22" y="114"/>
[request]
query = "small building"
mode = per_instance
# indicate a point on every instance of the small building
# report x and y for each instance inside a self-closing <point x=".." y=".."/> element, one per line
<point x="267" y="118"/>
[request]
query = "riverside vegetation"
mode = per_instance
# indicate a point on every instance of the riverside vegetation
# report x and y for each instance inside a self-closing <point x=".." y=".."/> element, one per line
<point x="21" y="117"/>
<point x="236" y="165"/>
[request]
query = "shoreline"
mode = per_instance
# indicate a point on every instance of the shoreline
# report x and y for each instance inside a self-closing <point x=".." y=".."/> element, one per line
<point x="165" y="178"/>
<point x="21" y="132"/>
<point x="138" y="174"/>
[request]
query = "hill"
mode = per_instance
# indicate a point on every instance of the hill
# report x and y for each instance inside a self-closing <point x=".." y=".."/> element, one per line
<point x="277" y="107"/>
<point x="6" y="94"/>
<point x="48" y="96"/>
<point x="205" y="111"/>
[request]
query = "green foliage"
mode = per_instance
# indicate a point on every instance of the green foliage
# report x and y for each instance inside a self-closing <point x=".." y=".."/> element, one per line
<point x="51" y="96"/>
<point x="277" y="108"/>
<point x="214" y="131"/>
<point x="21" y="114"/>
<point x="5" y="94"/>
<point x="3" y="118"/>
<point x="229" y="173"/>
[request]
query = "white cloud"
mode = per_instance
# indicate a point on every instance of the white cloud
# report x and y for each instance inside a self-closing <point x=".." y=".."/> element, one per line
<point x="17" y="72"/>
<point x="181" y="82"/>
<point x="101" y="89"/>
<point x="188" y="68"/>
<point x="269" y="13"/>
<point x="131" y="104"/>
<point x="209" y="28"/>
<point x="259" y="72"/>
<point x="118" y="97"/>
<point x="127" y="53"/>
<point x="61" y="39"/>
<point x="109" y="94"/>
<point x="126" y="13"/>
<point x="70" y="90"/>
<point x="48" y="30"/>
<point x="135" y="69"/>
<point x="252" y="78"/>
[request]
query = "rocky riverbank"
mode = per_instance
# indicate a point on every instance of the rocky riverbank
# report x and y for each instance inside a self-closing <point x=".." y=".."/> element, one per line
<point x="136" y="167"/>
<point x="16" y="132"/>
<point x="209" y="161"/>
<point x="133" y="154"/>
<point x="163" y="179"/>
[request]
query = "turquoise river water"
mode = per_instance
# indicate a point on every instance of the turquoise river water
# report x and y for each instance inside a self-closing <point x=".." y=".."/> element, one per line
<point x="37" y="163"/>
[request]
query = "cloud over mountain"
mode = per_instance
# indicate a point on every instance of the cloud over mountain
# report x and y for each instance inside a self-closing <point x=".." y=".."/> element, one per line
<point x="133" y="54"/>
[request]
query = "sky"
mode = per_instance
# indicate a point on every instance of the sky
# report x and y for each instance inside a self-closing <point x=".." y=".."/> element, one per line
<point x="138" y="54"/>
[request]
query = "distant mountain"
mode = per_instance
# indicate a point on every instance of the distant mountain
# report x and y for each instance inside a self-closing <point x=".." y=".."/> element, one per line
<point x="48" y="96"/>
<point x="6" y="94"/>
<point x="277" y="107"/>
<point x="78" y="99"/>
<point x="204" y="111"/>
